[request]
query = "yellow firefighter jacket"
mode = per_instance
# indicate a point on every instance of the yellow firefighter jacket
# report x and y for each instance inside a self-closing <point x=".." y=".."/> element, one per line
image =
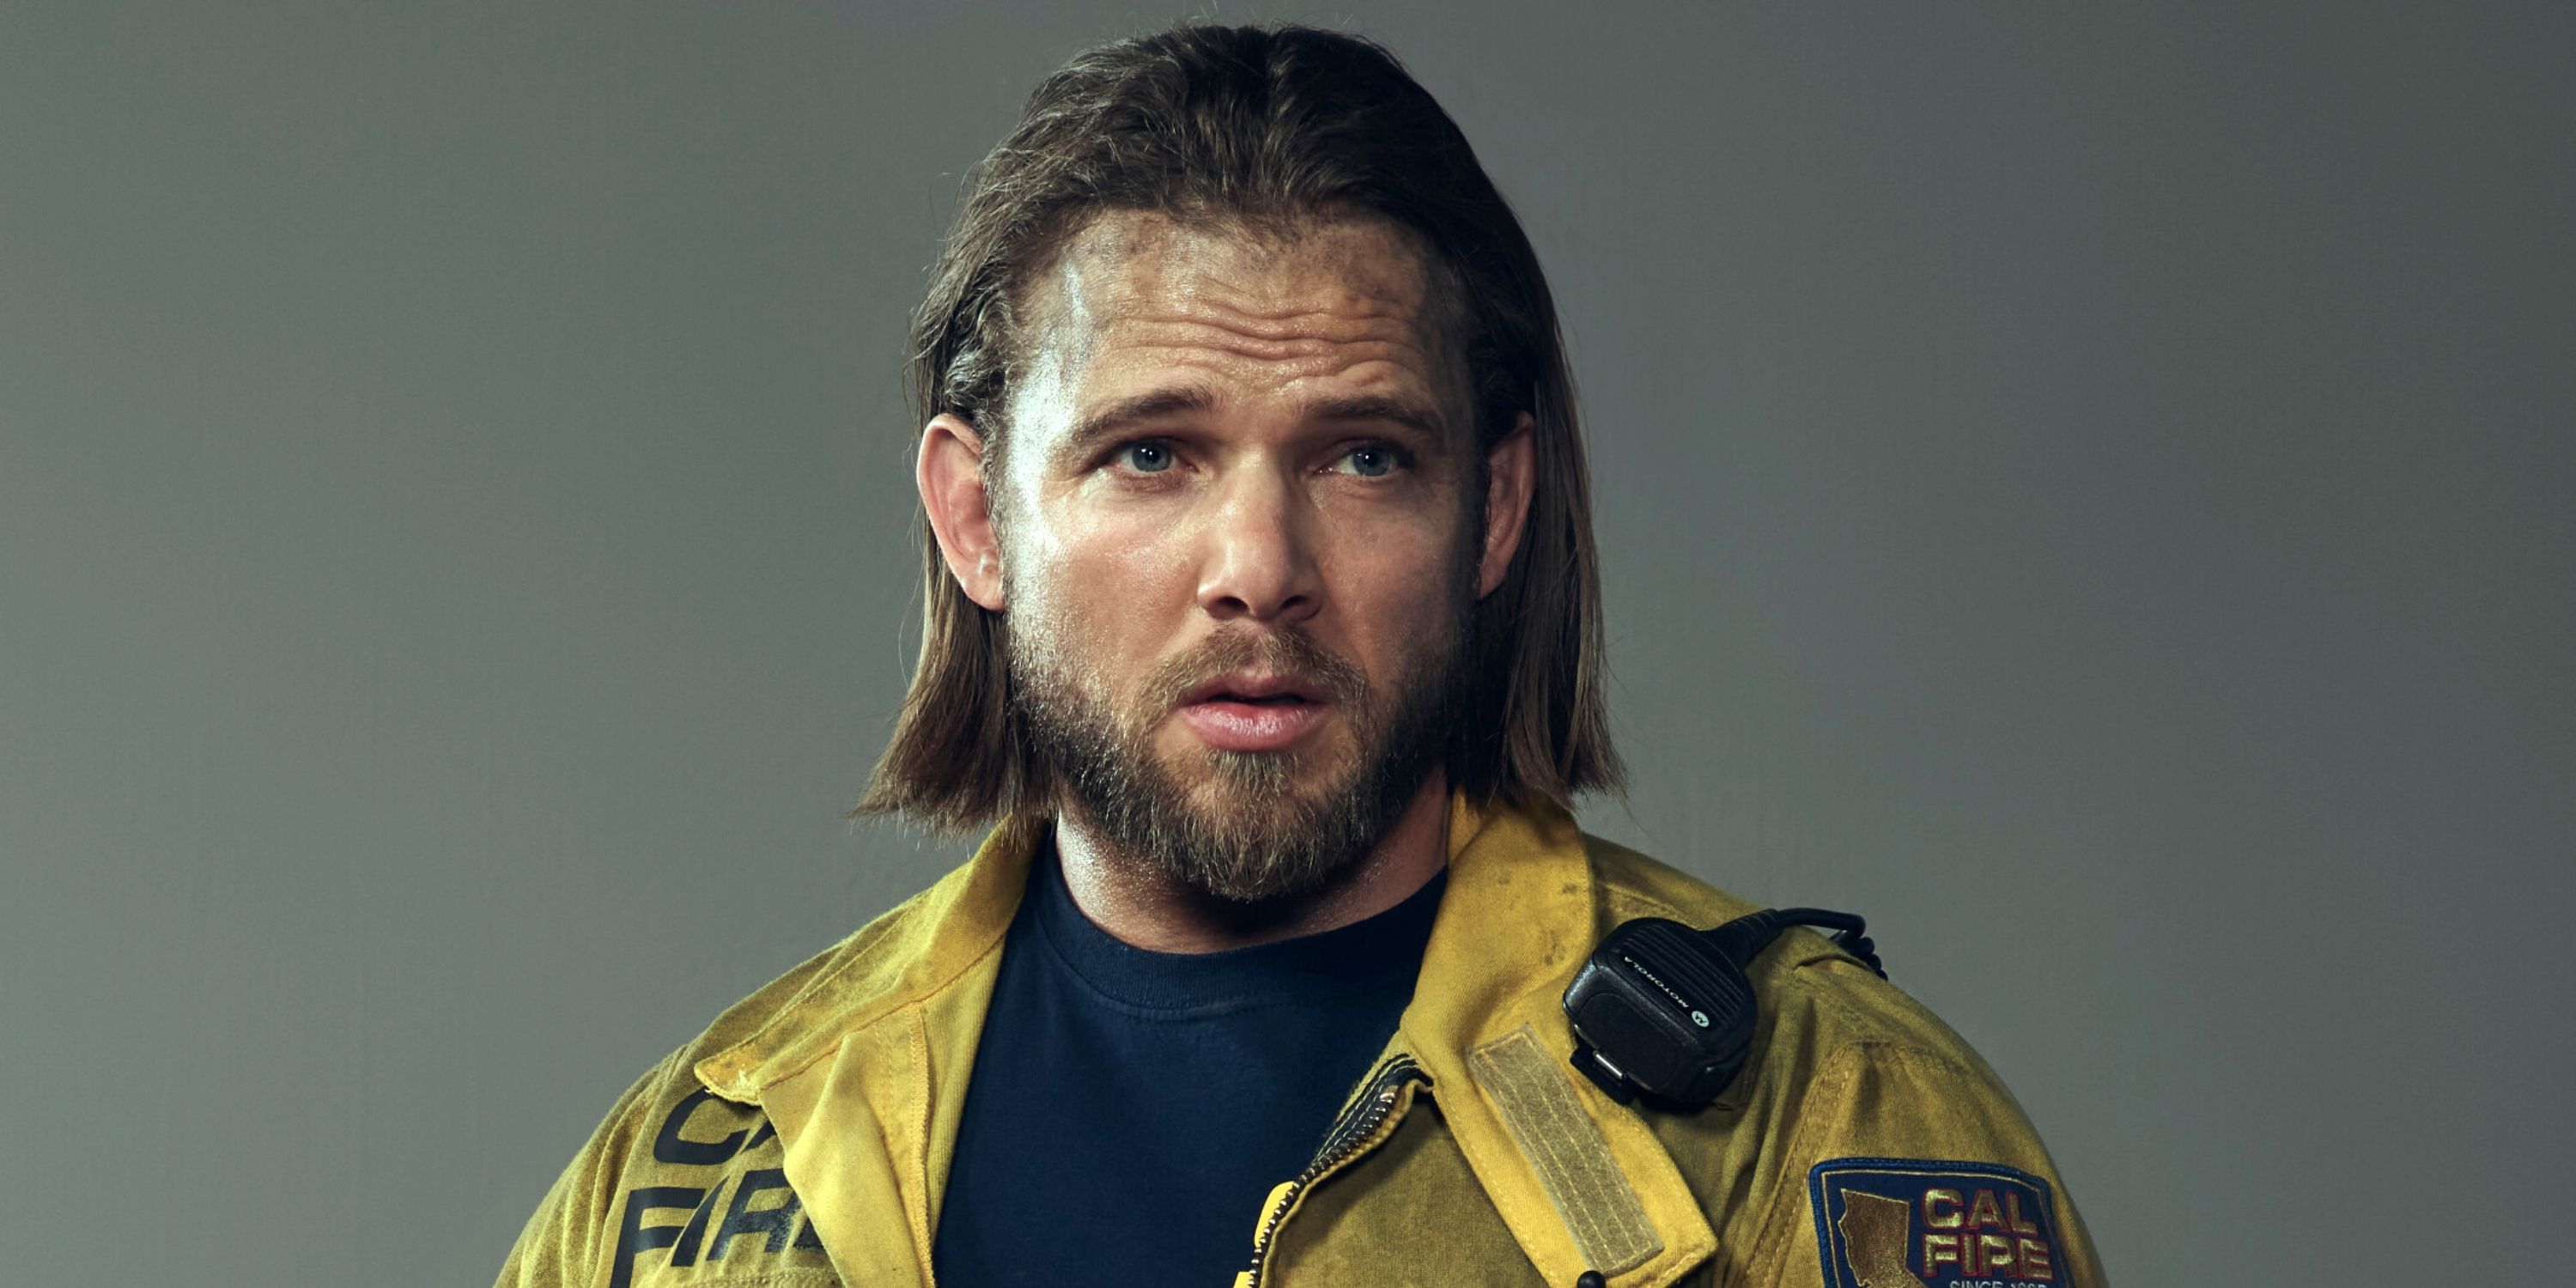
<point x="804" y="1139"/>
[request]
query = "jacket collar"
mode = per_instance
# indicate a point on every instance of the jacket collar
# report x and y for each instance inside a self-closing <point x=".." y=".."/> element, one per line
<point x="1487" y="1022"/>
<point x="1519" y="916"/>
<point x="907" y="956"/>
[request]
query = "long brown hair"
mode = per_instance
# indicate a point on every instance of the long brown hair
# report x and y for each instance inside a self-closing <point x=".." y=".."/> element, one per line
<point x="1258" y="126"/>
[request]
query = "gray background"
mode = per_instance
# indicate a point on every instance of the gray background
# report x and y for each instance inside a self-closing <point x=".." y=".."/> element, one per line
<point x="2085" y="487"/>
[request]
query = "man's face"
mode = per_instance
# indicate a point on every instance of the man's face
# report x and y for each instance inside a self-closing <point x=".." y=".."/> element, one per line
<point x="1239" y="549"/>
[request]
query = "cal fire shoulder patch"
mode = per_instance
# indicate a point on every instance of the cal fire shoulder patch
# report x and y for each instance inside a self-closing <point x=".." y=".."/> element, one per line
<point x="1931" y="1223"/>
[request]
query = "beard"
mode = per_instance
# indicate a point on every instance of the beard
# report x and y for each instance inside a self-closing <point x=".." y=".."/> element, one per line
<point x="1244" y="826"/>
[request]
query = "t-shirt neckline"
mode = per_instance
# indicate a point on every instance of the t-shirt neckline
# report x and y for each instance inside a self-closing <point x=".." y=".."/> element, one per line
<point x="1379" y="952"/>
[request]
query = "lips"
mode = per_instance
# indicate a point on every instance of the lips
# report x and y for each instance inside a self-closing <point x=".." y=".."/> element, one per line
<point x="1244" y="712"/>
<point x="1244" y="686"/>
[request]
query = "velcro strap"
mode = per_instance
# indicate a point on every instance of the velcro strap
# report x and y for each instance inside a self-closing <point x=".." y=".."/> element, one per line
<point x="1590" y="1194"/>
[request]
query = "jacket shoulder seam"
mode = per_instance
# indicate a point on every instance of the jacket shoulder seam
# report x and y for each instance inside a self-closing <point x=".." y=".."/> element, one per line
<point x="1830" y="1081"/>
<point x="1865" y="1030"/>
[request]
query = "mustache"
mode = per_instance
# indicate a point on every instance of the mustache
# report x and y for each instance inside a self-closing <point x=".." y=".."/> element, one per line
<point x="1289" y="652"/>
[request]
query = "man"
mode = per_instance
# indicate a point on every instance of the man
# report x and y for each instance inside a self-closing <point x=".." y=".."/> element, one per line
<point x="1263" y="615"/>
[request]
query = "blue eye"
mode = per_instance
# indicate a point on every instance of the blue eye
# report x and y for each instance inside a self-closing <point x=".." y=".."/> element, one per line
<point x="1147" y="458"/>
<point x="1374" y="461"/>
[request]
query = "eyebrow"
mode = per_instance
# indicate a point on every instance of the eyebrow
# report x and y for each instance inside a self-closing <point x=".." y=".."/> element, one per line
<point x="1120" y="417"/>
<point x="1421" y="420"/>
<point x="1115" y="419"/>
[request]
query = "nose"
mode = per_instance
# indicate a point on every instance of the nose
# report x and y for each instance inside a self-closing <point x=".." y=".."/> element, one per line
<point x="1259" y="562"/>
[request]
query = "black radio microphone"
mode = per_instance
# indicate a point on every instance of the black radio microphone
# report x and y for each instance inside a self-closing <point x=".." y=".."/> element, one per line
<point x="1665" y="1010"/>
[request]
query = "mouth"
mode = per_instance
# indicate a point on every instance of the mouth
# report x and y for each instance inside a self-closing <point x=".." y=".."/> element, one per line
<point x="1253" y="690"/>
<point x="1253" y="713"/>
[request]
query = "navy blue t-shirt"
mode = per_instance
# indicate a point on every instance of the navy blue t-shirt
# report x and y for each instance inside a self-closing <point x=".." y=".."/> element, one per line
<point x="1130" y="1110"/>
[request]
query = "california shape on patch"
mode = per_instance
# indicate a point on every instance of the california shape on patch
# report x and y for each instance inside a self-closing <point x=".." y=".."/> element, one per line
<point x="1931" y="1223"/>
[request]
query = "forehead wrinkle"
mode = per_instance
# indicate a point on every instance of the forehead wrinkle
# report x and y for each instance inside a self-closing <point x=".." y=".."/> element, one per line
<point x="1334" y="298"/>
<point x="1321" y="325"/>
<point x="1365" y="377"/>
<point x="1182" y="338"/>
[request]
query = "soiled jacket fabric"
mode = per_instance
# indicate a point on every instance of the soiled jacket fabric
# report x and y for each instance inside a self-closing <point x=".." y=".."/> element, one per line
<point x="804" y="1138"/>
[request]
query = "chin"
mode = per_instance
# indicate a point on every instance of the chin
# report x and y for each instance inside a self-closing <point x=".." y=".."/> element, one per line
<point x="1282" y="783"/>
<point x="1250" y="827"/>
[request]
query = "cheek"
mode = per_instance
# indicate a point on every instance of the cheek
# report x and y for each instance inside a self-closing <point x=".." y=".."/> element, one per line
<point x="1395" y="585"/>
<point x="1102" y="590"/>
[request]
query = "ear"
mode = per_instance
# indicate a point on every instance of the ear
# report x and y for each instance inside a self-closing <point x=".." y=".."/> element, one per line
<point x="950" y="474"/>
<point x="1511" y="475"/>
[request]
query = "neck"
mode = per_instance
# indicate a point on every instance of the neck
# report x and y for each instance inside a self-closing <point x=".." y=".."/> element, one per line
<point x="1137" y="903"/>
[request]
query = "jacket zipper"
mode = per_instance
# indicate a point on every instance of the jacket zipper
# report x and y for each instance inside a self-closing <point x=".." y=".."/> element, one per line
<point x="1361" y="1128"/>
